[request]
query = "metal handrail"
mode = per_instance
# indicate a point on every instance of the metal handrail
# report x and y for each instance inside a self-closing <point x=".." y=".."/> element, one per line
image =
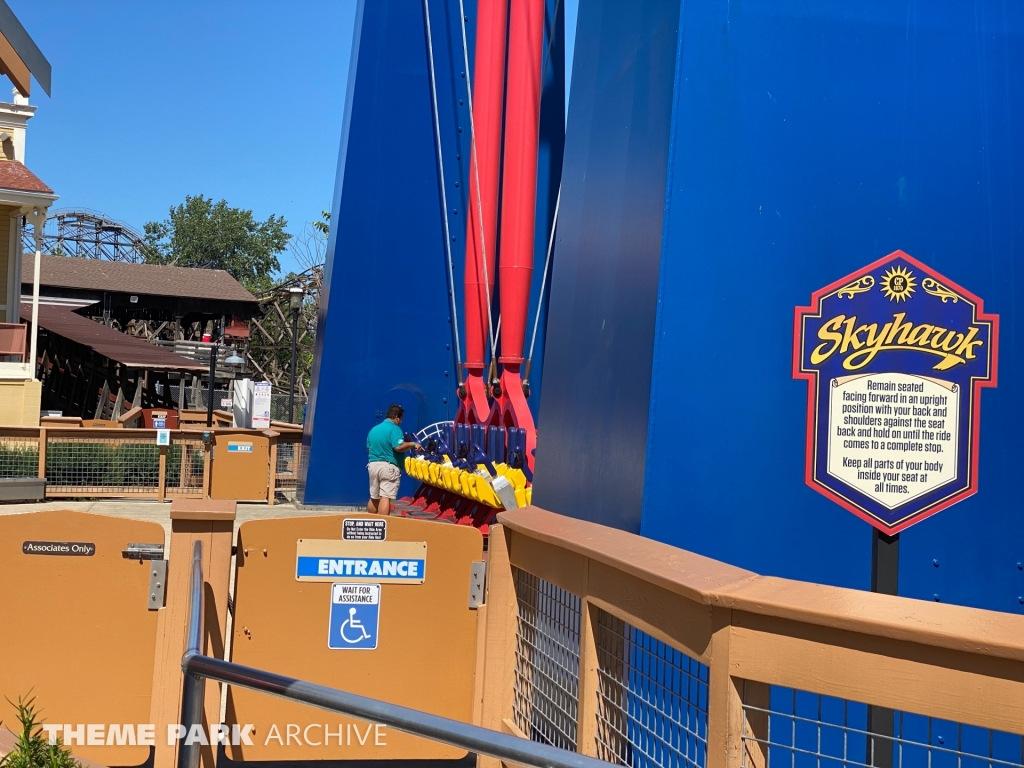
<point x="198" y="667"/>
<point x="194" y="687"/>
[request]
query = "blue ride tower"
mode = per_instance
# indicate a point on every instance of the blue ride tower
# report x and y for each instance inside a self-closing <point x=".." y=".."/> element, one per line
<point x="386" y="331"/>
<point x="743" y="184"/>
<point x="733" y="167"/>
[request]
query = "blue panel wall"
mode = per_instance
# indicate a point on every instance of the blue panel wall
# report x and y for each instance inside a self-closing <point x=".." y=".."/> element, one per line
<point x="593" y="435"/>
<point x="549" y="177"/>
<point x="385" y="333"/>
<point x="809" y="139"/>
<point x="384" y="319"/>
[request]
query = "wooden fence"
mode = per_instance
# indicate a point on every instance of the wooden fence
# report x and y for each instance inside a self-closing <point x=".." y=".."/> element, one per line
<point x="589" y="638"/>
<point x="112" y="462"/>
<point x="643" y="654"/>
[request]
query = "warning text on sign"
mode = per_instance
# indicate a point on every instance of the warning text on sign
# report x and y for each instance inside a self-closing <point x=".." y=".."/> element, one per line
<point x="893" y="436"/>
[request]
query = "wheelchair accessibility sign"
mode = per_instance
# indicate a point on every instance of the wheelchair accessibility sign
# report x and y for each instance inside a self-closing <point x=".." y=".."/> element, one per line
<point x="355" y="616"/>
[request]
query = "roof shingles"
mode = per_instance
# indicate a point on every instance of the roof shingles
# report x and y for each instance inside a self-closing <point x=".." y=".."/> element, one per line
<point x="128" y="350"/>
<point x="15" y="176"/>
<point x="145" y="279"/>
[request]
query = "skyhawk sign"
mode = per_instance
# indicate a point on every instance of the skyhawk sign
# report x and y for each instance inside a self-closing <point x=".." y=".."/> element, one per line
<point x="895" y="356"/>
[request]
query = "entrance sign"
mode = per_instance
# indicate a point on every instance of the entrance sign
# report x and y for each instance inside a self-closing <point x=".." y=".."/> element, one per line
<point x="355" y="617"/>
<point x="385" y="562"/>
<point x="895" y="356"/>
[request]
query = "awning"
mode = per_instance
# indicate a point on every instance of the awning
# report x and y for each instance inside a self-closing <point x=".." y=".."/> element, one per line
<point x="119" y="347"/>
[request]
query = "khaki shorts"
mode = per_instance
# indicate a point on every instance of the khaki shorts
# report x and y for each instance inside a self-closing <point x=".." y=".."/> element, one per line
<point x="384" y="479"/>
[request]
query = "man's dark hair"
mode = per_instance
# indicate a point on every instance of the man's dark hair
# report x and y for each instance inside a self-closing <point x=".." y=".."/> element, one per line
<point x="395" y="411"/>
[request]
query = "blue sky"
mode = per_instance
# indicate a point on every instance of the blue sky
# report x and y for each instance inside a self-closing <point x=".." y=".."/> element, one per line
<point x="154" y="101"/>
<point x="240" y="100"/>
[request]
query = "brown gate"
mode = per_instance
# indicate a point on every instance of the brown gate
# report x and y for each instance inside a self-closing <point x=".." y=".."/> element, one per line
<point x="424" y="653"/>
<point x="241" y="465"/>
<point x="79" y="633"/>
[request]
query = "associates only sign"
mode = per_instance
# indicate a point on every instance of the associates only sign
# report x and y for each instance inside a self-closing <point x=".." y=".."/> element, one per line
<point x="895" y="356"/>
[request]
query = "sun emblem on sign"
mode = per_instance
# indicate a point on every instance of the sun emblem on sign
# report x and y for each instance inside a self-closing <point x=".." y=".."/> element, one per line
<point x="898" y="283"/>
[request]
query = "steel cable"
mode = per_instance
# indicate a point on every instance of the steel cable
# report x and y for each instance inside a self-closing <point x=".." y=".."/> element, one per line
<point x="544" y="279"/>
<point x="554" y="216"/>
<point x="476" y="176"/>
<point x="444" y="196"/>
<point x="472" y="139"/>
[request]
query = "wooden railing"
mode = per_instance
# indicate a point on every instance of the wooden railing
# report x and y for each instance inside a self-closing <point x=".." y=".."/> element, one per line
<point x="750" y="635"/>
<point x="286" y="454"/>
<point x="118" y="462"/>
<point x="199" y="351"/>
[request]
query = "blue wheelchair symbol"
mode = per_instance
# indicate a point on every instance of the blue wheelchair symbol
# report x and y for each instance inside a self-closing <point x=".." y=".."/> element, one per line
<point x="354" y="626"/>
<point x="356" y="632"/>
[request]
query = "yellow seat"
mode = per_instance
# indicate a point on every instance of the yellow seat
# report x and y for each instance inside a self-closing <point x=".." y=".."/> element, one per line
<point x="489" y="497"/>
<point x="517" y="478"/>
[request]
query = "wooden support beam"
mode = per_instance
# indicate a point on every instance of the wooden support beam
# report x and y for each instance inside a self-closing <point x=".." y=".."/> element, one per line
<point x="42" y="453"/>
<point x="162" y="475"/>
<point x="586" y="714"/>
<point x="211" y="523"/>
<point x="12" y="65"/>
<point x="499" y="649"/>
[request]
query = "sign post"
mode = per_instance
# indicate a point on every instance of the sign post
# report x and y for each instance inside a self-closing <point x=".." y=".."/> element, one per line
<point x="895" y="356"/>
<point x="885" y="571"/>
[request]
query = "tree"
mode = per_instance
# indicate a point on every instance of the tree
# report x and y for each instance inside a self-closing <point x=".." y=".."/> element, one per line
<point x="323" y="225"/>
<point x="202" y="233"/>
<point x="309" y="247"/>
<point x="270" y="340"/>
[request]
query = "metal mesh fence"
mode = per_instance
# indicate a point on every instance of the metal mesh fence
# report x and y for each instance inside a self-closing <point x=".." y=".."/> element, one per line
<point x="19" y="456"/>
<point x="797" y="729"/>
<point x="289" y="455"/>
<point x="279" y="407"/>
<point x="184" y="468"/>
<point x="546" y="689"/>
<point x="97" y="465"/>
<point x="196" y="399"/>
<point x="652" y="700"/>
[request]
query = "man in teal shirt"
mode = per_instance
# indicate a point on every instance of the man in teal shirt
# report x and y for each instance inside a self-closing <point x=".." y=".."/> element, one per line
<point x="384" y="446"/>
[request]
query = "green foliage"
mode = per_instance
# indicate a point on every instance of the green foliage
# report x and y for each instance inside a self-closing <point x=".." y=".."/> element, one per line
<point x="33" y="749"/>
<point x="192" y="467"/>
<point x="202" y="233"/>
<point x="18" y="462"/>
<point x="100" y="465"/>
<point x="78" y="464"/>
<point x="323" y="225"/>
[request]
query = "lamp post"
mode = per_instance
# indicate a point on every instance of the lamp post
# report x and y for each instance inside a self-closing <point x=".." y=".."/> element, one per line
<point x="295" y="302"/>
<point x="236" y="360"/>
